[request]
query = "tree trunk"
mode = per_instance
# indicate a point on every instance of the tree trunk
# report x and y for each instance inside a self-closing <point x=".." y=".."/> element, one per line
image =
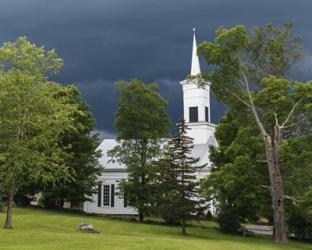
<point x="276" y="182"/>
<point x="9" y="205"/>
<point x="183" y="227"/>
<point x="141" y="216"/>
<point x="142" y="196"/>
<point x="277" y="192"/>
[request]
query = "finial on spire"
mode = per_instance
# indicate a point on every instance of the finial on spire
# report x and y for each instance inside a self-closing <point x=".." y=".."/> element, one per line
<point x="195" y="68"/>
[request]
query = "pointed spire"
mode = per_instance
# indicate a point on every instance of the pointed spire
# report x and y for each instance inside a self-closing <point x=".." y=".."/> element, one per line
<point x="195" y="69"/>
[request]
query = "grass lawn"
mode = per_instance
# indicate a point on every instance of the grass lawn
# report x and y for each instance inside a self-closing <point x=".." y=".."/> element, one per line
<point x="44" y="230"/>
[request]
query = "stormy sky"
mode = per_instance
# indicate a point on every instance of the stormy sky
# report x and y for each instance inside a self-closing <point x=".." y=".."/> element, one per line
<point x="103" y="41"/>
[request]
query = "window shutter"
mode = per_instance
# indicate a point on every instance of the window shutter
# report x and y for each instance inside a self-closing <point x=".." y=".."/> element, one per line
<point x="112" y="195"/>
<point x="125" y="200"/>
<point x="100" y="195"/>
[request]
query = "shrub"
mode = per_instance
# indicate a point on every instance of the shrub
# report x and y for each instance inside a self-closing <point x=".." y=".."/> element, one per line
<point x="1" y="198"/>
<point x="170" y="217"/>
<point x="300" y="224"/>
<point x="229" y="219"/>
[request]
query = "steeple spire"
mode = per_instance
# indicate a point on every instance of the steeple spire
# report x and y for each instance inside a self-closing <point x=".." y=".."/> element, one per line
<point x="195" y="69"/>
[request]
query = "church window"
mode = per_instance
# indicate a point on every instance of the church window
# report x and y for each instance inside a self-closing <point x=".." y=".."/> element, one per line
<point x="106" y="195"/>
<point x="193" y="113"/>
<point x="206" y="114"/>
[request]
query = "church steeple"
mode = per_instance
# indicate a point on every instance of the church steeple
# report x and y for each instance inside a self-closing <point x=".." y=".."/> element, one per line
<point x="195" y="68"/>
<point x="196" y="102"/>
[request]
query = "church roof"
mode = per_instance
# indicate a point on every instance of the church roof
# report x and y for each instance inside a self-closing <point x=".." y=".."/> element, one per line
<point x="200" y="151"/>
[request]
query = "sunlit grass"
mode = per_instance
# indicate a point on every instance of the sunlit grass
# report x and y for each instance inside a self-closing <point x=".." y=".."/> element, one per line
<point x="43" y="229"/>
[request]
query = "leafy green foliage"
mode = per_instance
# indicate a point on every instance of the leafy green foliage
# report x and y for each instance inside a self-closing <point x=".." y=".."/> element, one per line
<point x="1" y="197"/>
<point x="83" y="164"/>
<point x="31" y="120"/>
<point x="141" y="120"/>
<point x="296" y="156"/>
<point x="239" y="181"/>
<point x="300" y="217"/>
<point x="141" y="111"/>
<point x="229" y="219"/>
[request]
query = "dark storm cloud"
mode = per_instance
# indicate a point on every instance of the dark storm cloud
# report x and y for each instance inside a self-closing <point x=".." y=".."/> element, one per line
<point x="103" y="41"/>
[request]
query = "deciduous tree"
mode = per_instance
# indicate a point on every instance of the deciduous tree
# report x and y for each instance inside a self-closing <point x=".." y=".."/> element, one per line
<point x="31" y="119"/>
<point x="249" y="68"/>
<point x="238" y="181"/>
<point x="141" y="121"/>
<point x="83" y="164"/>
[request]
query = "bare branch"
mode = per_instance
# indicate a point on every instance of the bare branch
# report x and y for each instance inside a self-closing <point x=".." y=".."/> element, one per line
<point x="291" y="112"/>
<point x="262" y="161"/>
<point x="287" y="197"/>
<point x="237" y="97"/>
<point x="294" y="200"/>
<point x="252" y="104"/>
<point x="241" y="82"/>
<point x="266" y="187"/>
<point x="276" y="119"/>
<point x="295" y="123"/>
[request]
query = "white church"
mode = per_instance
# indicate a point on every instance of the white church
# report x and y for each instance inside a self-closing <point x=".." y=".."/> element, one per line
<point x="196" y="104"/>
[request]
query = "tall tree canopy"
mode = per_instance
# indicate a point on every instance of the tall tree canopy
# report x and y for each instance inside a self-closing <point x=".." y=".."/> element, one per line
<point x="250" y="68"/>
<point x="141" y="121"/>
<point x="33" y="117"/>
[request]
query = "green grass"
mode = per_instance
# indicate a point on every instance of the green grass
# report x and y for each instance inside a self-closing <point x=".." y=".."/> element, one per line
<point x="44" y="230"/>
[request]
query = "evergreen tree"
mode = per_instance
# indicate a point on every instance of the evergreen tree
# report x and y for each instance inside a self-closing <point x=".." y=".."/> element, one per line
<point x="141" y="120"/>
<point x="165" y="187"/>
<point x="177" y="185"/>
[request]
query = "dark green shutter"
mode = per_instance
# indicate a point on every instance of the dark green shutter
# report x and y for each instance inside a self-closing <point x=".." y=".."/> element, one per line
<point x="100" y="195"/>
<point x="125" y="200"/>
<point x="112" y="195"/>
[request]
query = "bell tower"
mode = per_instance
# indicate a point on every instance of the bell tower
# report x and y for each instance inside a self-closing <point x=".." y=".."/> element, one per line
<point x="196" y="103"/>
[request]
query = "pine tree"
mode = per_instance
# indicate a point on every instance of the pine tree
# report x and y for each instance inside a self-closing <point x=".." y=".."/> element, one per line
<point x="178" y="198"/>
